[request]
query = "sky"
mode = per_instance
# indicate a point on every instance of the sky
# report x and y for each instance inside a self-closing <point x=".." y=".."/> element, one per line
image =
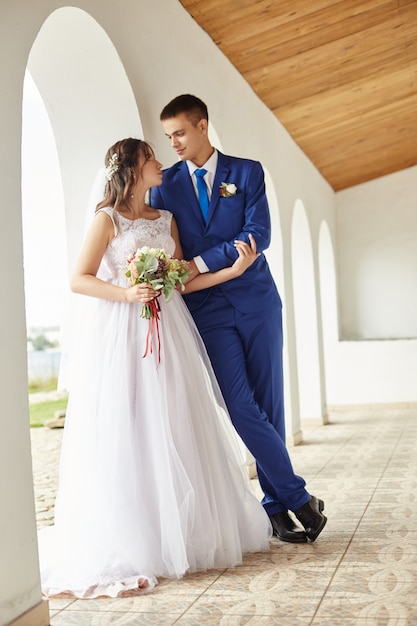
<point x="44" y="243"/>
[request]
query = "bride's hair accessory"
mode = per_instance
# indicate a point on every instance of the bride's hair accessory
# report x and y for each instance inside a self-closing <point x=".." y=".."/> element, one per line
<point x="112" y="166"/>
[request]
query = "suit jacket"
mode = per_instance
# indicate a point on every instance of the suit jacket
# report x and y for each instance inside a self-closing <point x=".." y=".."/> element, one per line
<point x="229" y="218"/>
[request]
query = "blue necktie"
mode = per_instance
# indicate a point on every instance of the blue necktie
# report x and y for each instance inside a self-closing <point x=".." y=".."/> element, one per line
<point x="202" y="192"/>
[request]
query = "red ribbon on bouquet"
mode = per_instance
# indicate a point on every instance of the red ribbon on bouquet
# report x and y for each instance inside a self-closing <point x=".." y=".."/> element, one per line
<point x="152" y="327"/>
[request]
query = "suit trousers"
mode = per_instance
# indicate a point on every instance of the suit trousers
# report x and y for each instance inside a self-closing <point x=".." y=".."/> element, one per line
<point x="245" y="350"/>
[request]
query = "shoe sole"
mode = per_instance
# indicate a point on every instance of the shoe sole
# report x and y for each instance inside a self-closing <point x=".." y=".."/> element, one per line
<point x="302" y="539"/>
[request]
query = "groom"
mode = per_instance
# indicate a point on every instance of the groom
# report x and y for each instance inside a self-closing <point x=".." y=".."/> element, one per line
<point x="216" y="199"/>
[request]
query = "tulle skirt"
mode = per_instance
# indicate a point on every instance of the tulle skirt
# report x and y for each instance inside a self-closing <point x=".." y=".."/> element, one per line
<point x="152" y="482"/>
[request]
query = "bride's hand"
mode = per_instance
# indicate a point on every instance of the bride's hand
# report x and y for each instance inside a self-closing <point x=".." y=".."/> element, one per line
<point x="247" y="255"/>
<point x="144" y="292"/>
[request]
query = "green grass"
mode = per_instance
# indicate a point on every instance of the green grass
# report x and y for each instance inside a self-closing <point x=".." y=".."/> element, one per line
<point x="40" y="412"/>
<point x="42" y="384"/>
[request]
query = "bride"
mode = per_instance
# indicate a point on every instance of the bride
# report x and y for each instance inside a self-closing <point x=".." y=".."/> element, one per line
<point x="151" y="479"/>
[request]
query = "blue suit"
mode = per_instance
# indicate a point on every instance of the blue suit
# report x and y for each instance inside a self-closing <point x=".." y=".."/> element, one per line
<point x="240" y="320"/>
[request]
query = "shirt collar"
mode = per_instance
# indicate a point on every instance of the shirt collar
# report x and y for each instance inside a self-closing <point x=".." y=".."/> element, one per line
<point x="210" y="165"/>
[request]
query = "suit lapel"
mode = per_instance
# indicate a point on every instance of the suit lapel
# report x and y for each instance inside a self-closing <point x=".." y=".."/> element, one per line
<point x="221" y="176"/>
<point x="184" y="178"/>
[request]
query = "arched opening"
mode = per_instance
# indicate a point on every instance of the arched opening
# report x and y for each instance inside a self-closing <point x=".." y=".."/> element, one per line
<point x="329" y="316"/>
<point x="85" y="102"/>
<point x="89" y="100"/>
<point x="274" y="253"/>
<point x="214" y="137"/>
<point x="275" y="257"/>
<point x="305" y="314"/>
<point x="44" y="242"/>
<point x="79" y="102"/>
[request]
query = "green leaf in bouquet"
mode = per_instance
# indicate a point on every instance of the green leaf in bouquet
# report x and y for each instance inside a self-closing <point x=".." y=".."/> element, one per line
<point x="147" y="265"/>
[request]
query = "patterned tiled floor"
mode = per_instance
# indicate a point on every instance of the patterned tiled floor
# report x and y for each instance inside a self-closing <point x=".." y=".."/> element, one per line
<point x="362" y="570"/>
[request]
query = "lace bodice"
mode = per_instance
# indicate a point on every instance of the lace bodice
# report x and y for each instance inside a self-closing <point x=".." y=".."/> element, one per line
<point x="131" y="235"/>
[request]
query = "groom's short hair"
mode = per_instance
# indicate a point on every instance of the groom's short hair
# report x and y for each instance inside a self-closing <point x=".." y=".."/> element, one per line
<point x="193" y="108"/>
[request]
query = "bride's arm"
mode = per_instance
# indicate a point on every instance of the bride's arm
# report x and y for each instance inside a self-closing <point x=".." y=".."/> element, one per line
<point x="84" y="277"/>
<point x="247" y="256"/>
<point x="197" y="281"/>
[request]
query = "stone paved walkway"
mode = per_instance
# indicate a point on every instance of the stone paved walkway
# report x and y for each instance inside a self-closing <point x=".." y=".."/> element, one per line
<point x="46" y="449"/>
<point x="362" y="571"/>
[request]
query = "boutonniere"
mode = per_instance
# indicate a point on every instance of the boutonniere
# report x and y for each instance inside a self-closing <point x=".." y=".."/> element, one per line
<point x="227" y="189"/>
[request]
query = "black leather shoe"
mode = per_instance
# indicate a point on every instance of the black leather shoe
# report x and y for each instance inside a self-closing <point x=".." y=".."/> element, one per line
<point x="286" y="529"/>
<point x="311" y="517"/>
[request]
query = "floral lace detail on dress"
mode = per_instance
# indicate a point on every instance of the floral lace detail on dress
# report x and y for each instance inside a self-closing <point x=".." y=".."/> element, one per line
<point x="131" y="235"/>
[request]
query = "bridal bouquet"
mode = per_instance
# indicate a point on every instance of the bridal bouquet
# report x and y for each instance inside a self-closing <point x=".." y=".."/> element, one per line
<point x="164" y="273"/>
<point x="159" y="269"/>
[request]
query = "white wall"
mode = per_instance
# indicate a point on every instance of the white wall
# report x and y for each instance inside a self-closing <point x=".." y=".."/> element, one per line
<point x="305" y="312"/>
<point x="377" y="258"/>
<point x="19" y="576"/>
<point x="374" y="373"/>
<point x="375" y="360"/>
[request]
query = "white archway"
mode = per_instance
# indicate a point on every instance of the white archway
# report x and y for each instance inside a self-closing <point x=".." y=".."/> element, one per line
<point x="274" y="254"/>
<point x="214" y="137"/>
<point x="44" y="240"/>
<point x="305" y="314"/>
<point x="89" y="100"/>
<point x="78" y="72"/>
<point x="275" y="258"/>
<point x="329" y="313"/>
<point x="91" y="104"/>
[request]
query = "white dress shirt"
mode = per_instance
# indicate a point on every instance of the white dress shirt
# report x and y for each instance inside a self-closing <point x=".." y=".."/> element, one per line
<point x="210" y="165"/>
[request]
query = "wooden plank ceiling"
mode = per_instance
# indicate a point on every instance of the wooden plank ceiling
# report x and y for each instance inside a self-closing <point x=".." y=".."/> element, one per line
<point x="340" y="76"/>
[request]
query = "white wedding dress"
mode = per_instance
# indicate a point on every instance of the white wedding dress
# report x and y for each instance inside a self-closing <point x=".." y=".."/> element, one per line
<point x="152" y="482"/>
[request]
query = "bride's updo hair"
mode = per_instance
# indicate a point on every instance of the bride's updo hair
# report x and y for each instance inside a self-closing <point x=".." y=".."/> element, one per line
<point x="121" y="161"/>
